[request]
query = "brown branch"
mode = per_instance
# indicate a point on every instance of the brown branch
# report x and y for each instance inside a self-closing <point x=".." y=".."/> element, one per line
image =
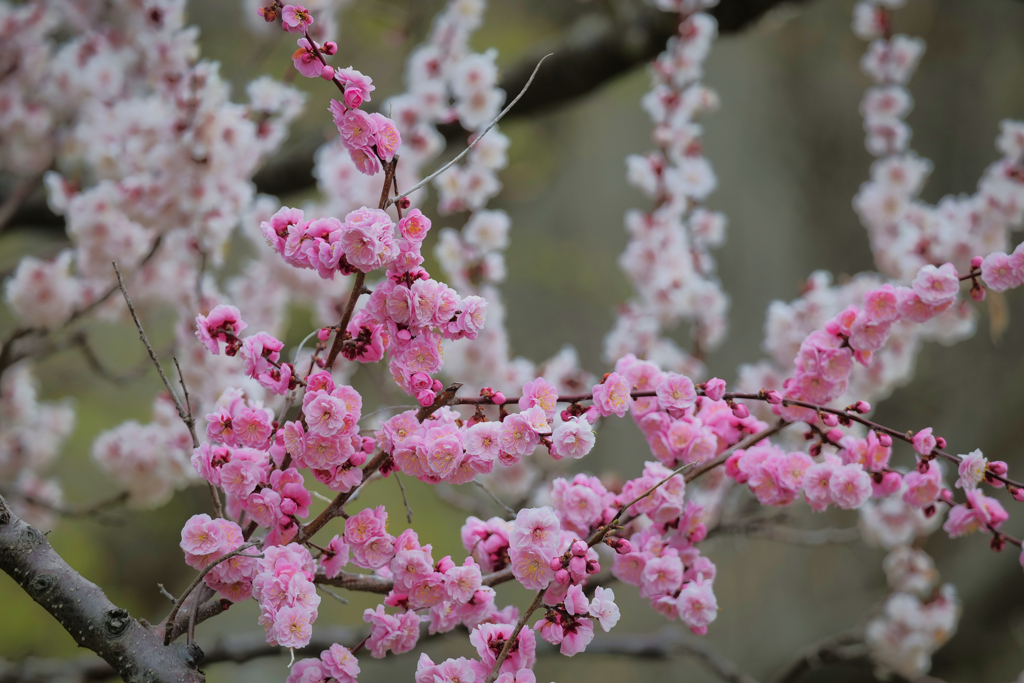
<point x="844" y="646"/>
<point x="86" y="613"/>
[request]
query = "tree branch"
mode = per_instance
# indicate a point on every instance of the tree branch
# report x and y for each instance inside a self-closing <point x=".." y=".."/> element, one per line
<point x="81" y="607"/>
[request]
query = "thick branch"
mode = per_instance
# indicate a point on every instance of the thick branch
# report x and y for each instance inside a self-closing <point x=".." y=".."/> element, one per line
<point x="81" y="607"/>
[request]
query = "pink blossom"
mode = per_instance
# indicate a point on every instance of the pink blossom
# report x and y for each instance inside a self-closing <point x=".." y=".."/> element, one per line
<point x="325" y="414"/>
<point x="850" y="486"/>
<point x="444" y="456"/>
<point x="307" y="671"/>
<point x="296" y="18"/>
<point x="223" y="323"/>
<point x="336" y="560"/>
<point x="971" y="470"/>
<point x="531" y="567"/>
<point x="923" y="442"/>
<point x="414" y="226"/>
<point x="293" y="626"/>
<point x="612" y="396"/>
<point x="880" y="305"/>
<point x="366" y="524"/>
<point x="357" y="129"/>
<point x="240" y="477"/>
<point x="697" y="605"/>
<point x="482" y="440"/>
<point x="999" y="273"/>
<point x="576" y="635"/>
<point x="339" y="662"/>
<point x="604" y="609"/>
<point x="375" y="553"/>
<point x="461" y="583"/>
<point x="535" y="528"/>
<point x="936" y="286"/>
<point x="387" y="138"/>
<point x="357" y="86"/>
<point x="629" y="568"/>
<point x="922" y="489"/>
<point x="202" y="535"/>
<point x="661" y="576"/>
<point x="517" y="438"/>
<point x="251" y="427"/>
<point x="575" y="601"/>
<point x="365" y="160"/>
<point x="305" y="60"/>
<point x="574" y="438"/>
<point x="676" y="391"/>
<point x="489" y="639"/>
<point x="539" y="392"/>
<point x="714" y="389"/>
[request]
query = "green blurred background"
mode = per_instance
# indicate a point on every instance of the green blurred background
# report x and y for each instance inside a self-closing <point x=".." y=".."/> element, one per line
<point x="787" y="146"/>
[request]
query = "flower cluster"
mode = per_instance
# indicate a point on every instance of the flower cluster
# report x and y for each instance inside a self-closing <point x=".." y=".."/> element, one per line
<point x="668" y="259"/>
<point x="288" y="600"/>
<point x="336" y="663"/>
<point x="204" y="541"/>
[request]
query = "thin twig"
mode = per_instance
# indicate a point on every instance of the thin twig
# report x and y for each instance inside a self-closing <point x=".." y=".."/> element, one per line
<point x="405" y="499"/>
<point x="499" y="501"/>
<point x="332" y="594"/>
<point x="195" y="582"/>
<point x="477" y="139"/>
<point x="185" y="416"/>
<point x="166" y="593"/>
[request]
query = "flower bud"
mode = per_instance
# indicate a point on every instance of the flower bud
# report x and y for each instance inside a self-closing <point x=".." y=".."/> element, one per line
<point x="327" y="73"/>
<point x="976" y="262"/>
<point x="358" y="458"/>
<point x="834" y="435"/>
<point x="426" y="398"/>
<point x="830" y="419"/>
<point x="288" y="507"/>
<point x="740" y="411"/>
<point x="884" y="439"/>
<point x="714" y="389"/>
<point x="498" y="398"/>
<point x="773" y="397"/>
<point x="562" y="576"/>
<point x="323" y="334"/>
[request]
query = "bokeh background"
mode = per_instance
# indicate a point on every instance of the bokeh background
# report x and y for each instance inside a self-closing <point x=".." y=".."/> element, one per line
<point x="787" y="146"/>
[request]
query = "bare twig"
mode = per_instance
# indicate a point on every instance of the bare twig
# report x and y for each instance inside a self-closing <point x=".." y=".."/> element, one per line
<point x="166" y="593"/>
<point x="511" y="513"/>
<point x="405" y="499"/>
<point x="478" y="138"/>
<point x="332" y="594"/>
<point x="843" y="646"/>
<point x="767" y="530"/>
<point x="466" y="503"/>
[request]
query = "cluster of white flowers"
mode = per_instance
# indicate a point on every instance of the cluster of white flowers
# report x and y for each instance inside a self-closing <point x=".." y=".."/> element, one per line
<point x="906" y="233"/>
<point x="668" y="258"/>
<point x="903" y="638"/>
<point x="154" y="168"/>
<point x="31" y="435"/>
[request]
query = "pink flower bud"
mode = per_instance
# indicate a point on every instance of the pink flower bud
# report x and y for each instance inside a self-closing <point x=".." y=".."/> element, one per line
<point x="562" y="576"/>
<point x="625" y="547"/>
<point x="288" y="507"/>
<point x="426" y="397"/>
<point x="579" y="548"/>
<point x="556" y="563"/>
<point x="357" y="458"/>
<point x="814" y="450"/>
<point x="940" y="442"/>
<point x="929" y="511"/>
<point x="324" y="334"/>
<point x="862" y="407"/>
<point x="404" y="334"/>
<point x="1018" y="494"/>
<point x="774" y="397"/>
<point x="890" y="484"/>
<point x="330" y="48"/>
<point x="946" y="496"/>
<point x="327" y="73"/>
<point x="740" y="411"/>
<point x="834" y="435"/>
<point x="714" y="389"/>
<point x="444" y="564"/>
<point x="830" y="419"/>
<point x="885" y="439"/>
<point x="565" y="415"/>
<point x="498" y="398"/>
<point x="436" y="385"/>
<point x="353" y="98"/>
<point x="976" y="262"/>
